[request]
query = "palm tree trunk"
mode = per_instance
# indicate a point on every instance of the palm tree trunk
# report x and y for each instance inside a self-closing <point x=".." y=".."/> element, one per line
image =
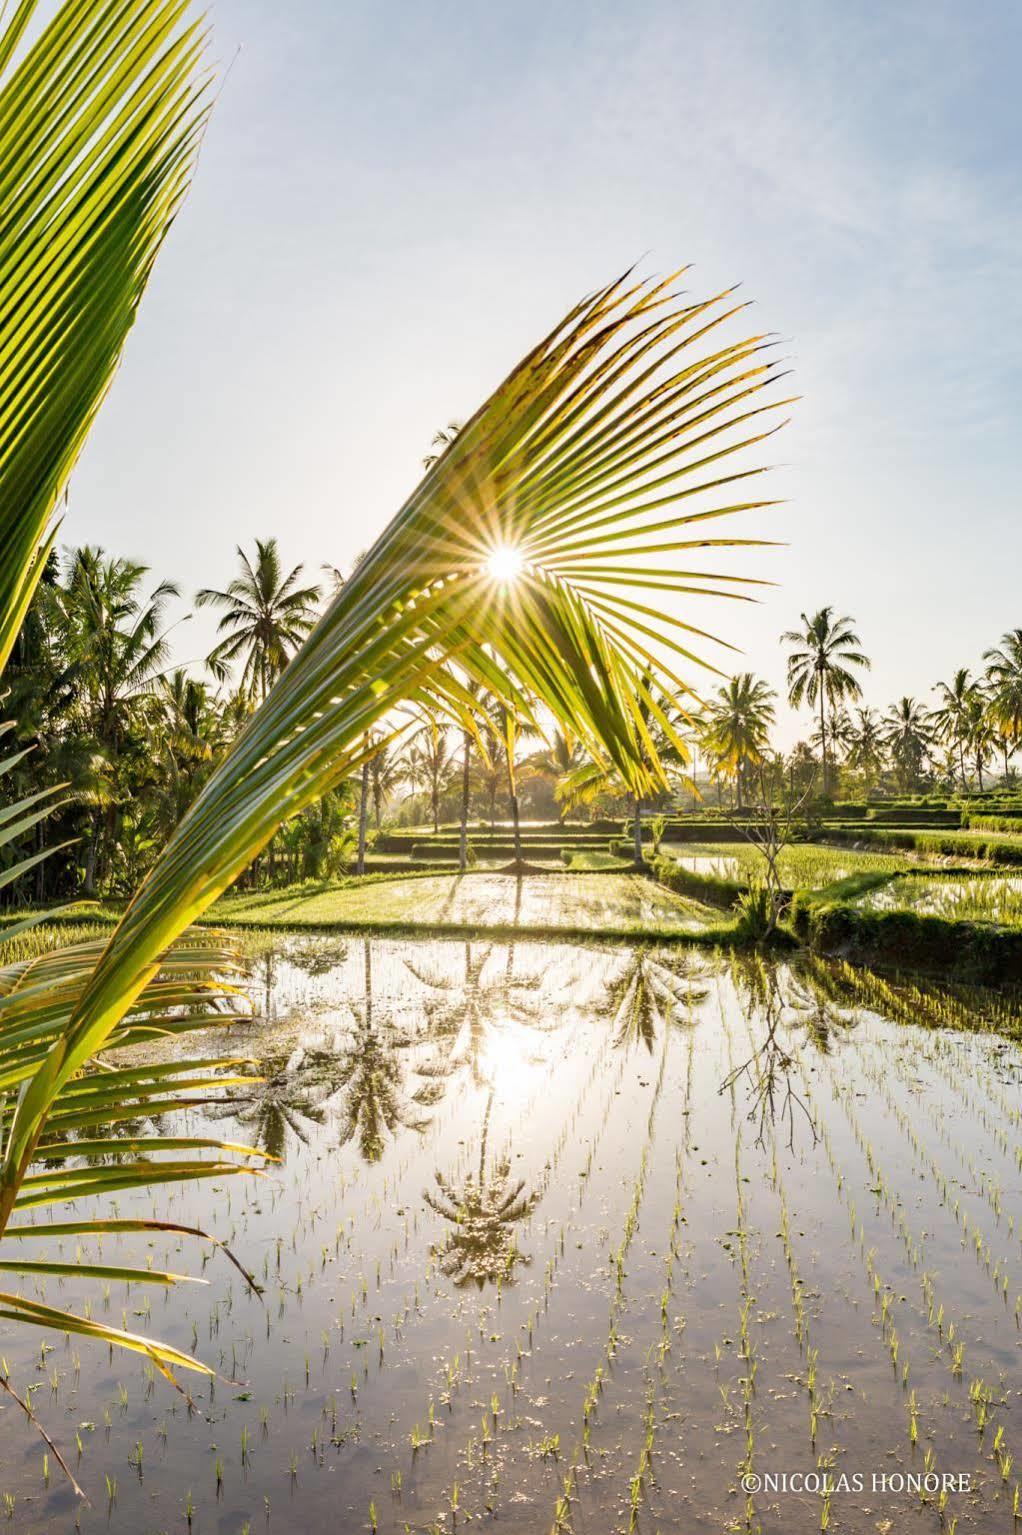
<point x="637" y="832"/>
<point x="823" y="737"/>
<point x="516" y="829"/>
<point x="465" y="798"/>
<point x="979" y="770"/>
<point x="434" y="802"/>
<point x="512" y="794"/>
<point x="90" y="856"/>
<point x="363" y="820"/>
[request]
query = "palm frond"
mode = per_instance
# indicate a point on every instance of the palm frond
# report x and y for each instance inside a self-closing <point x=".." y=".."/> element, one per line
<point x="537" y="468"/>
<point x="99" y="123"/>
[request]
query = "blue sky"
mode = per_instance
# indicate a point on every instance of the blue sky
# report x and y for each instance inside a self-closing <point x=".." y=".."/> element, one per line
<point x="395" y="200"/>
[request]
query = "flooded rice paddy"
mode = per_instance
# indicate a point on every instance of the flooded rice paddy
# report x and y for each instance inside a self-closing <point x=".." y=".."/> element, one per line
<point x="568" y="1237"/>
<point x="597" y="902"/>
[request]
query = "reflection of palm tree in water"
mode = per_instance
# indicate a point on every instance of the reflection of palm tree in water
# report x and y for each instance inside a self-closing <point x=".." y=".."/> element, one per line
<point x="647" y="993"/>
<point x="483" y="1213"/>
<point x="290" y="1097"/>
<point x="487" y="1204"/>
<point x="375" y="1102"/>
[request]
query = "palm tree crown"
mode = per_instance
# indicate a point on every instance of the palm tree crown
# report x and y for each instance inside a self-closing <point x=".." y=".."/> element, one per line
<point x="908" y="735"/>
<point x="953" y="720"/>
<point x="820" y="668"/>
<point x="738" y="723"/>
<point x="266" y="616"/>
<point x="1004" y="674"/>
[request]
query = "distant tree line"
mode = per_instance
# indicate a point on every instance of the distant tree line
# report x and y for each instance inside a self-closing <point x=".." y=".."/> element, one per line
<point x="100" y="710"/>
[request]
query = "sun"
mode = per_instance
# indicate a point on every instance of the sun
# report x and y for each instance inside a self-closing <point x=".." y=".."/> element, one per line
<point x="505" y="564"/>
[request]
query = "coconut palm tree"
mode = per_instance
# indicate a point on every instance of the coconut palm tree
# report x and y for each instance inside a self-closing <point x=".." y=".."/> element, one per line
<point x="866" y="748"/>
<point x="1004" y="679"/>
<point x="266" y="616"/>
<point x="952" y="720"/>
<point x="441" y="441"/>
<point x="431" y="763"/>
<point x="510" y="727"/>
<point x="561" y="757"/>
<point x="386" y="772"/>
<point x="737" y="725"/>
<point x="981" y="733"/>
<point x="908" y="736"/>
<point x="821" y="669"/>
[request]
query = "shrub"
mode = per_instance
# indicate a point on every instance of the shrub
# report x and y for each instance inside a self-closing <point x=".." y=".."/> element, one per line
<point x="754" y="915"/>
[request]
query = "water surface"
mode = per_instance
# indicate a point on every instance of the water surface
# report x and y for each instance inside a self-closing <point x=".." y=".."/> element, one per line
<point x="569" y="1237"/>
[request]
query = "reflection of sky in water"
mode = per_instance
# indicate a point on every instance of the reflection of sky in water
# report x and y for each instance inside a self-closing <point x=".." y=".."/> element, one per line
<point x="508" y="1172"/>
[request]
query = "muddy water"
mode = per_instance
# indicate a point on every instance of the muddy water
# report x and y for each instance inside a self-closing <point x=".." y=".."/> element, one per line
<point x="575" y="1238"/>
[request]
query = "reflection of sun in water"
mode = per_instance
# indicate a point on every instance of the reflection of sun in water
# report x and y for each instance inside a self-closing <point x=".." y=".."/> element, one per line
<point x="509" y="1063"/>
<point x="505" y="564"/>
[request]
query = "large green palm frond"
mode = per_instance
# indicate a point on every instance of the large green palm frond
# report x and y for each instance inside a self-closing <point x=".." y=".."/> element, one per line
<point x="615" y="419"/>
<point x="99" y="122"/>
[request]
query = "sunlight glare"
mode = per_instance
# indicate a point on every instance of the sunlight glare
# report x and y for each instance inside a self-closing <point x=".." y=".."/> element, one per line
<point x="505" y="564"/>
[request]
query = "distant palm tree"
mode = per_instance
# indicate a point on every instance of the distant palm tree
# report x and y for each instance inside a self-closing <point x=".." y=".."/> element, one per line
<point x="431" y="764"/>
<point x="562" y="756"/>
<point x="475" y="691"/>
<point x="663" y="723"/>
<point x="820" y="669"/>
<point x="1004" y="675"/>
<point x="981" y="734"/>
<point x="385" y="773"/>
<point x="953" y="720"/>
<point x="738" y="721"/>
<point x="866" y="748"/>
<point x="266" y="616"/>
<point x="908" y="736"/>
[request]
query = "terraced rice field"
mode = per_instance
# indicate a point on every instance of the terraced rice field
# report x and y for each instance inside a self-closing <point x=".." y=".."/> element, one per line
<point x="569" y="1237"/>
